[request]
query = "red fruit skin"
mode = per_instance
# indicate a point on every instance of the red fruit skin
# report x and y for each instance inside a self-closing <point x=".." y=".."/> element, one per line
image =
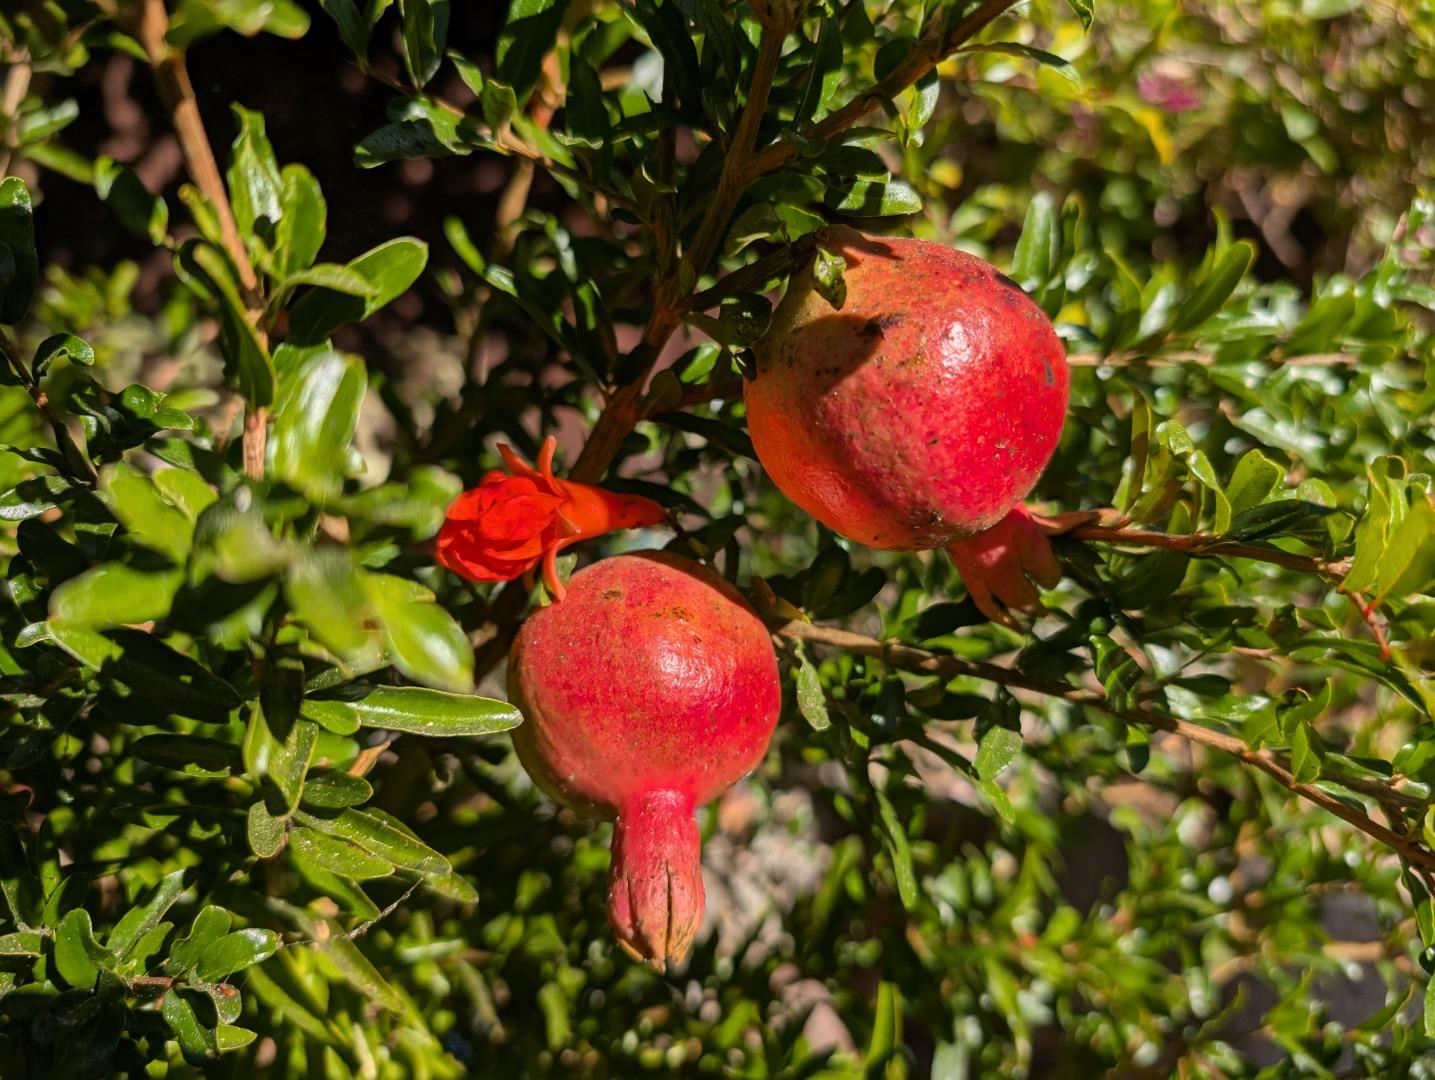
<point x="649" y="690"/>
<point x="922" y="411"/>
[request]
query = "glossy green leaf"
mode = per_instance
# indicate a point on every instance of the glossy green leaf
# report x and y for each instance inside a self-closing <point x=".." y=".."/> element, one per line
<point x="255" y="190"/>
<point x="139" y="211"/>
<point x="77" y="955"/>
<point x="1214" y="288"/>
<point x="211" y="924"/>
<point x="390" y="268"/>
<point x="182" y="1012"/>
<point x="315" y="415"/>
<point x="379" y="837"/>
<point x="420" y="711"/>
<point x="234" y="952"/>
<point x="337" y="855"/>
<point x="326" y="789"/>
<point x="300" y="232"/>
<point x="265" y="832"/>
<point x="867" y="198"/>
<point x="143" y="918"/>
<point x="247" y="365"/>
<point x="425" y="29"/>
<point x="528" y="34"/>
<point x="19" y="269"/>
<point x="114" y="594"/>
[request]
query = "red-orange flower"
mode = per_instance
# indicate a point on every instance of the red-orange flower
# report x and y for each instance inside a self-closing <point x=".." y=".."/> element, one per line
<point x="510" y="524"/>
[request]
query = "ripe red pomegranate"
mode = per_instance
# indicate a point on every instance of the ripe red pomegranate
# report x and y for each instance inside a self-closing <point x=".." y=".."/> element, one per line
<point x="648" y="691"/>
<point x="921" y="413"/>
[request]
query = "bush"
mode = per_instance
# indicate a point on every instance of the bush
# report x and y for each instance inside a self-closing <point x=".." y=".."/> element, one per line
<point x="260" y="821"/>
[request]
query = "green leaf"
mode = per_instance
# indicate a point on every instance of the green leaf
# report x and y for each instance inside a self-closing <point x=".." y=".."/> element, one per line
<point x="191" y="754"/>
<point x="197" y="1041"/>
<point x="255" y="190"/>
<point x="228" y="1037"/>
<point x="1059" y="64"/>
<point x="886" y="1028"/>
<point x="1085" y="11"/>
<point x="1305" y="755"/>
<point x="325" y="593"/>
<point x="337" y="855"/>
<point x="247" y="366"/>
<point x="264" y="831"/>
<point x="356" y="19"/>
<point x="411" y="137"/>
<point x="88" y="647"/>
<point x="1254" y="480"/>
<point x="827" y="277"/>
<point x="899" y="847"/>
<point x="316" y="413"/>
<point x="997" y="750"/>
<point x="528" y="34"/>
<point x="78" y="957"/>
<point x="20" y="271"/>
<point x="811" y="701"/>
<point x="136" y="208"/>
<point x="235" y="952"/>
<point x="61" y="346"/>
<point x="390" y="268"/>
<point x="1407" y="563"/>
<point x="1210" y="293"/>
<point x="867" y="198"/>
<point x="379" y="837"/>
<point x="1031" y="261"/>
<point x="326" y="789"/>
<point x="280" y="759"/>
<point x="139" y="921"/>
<point x="300" y="232"/>
<point x="423" y="640"/>
<point x="418" y="711"/>
<point x="113" y="594"/>
<point x="149" y="518"/>
<point x="425" y="29"/>
<point x="211" y="924"/>
<point x="22" y="943"/>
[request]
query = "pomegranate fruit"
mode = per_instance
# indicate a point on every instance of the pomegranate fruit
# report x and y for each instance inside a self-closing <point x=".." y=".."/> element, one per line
<point x="647" y="692"/>
<point x="921" y="413"/>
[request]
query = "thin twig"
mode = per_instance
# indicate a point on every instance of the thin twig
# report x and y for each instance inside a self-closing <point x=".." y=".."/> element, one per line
<point x="177" y="93"/>
<point x="911" y="658"/>
<point x="17" y="85"/>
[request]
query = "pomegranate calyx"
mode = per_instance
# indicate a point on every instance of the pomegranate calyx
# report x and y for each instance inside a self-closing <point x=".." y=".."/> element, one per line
<point x="655" y="881"/>
<point x="517" y="521"/>
<point x="1002" y="566"/>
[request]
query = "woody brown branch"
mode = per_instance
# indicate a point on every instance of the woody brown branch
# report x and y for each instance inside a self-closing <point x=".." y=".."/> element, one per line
<point x="176" y="92"/>
<point x="910" y="658"/>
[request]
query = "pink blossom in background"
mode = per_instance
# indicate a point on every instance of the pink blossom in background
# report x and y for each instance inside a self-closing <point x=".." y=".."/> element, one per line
<point x="1167" y="92"/>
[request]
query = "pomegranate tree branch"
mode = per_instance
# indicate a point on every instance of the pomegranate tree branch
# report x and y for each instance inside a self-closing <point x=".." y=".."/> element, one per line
<point x="17" y="84"/>
<point x="931" y="49"/>
<point x="1206" y="545"/>
<point x="171" y="78"/>
<point x="910" y="658"/>
<point x="623" y="408"/>
<point x="1200" y="359"/>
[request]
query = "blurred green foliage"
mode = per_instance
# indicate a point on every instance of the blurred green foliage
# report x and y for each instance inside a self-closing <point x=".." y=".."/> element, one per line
<point x="256" y="820"/>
